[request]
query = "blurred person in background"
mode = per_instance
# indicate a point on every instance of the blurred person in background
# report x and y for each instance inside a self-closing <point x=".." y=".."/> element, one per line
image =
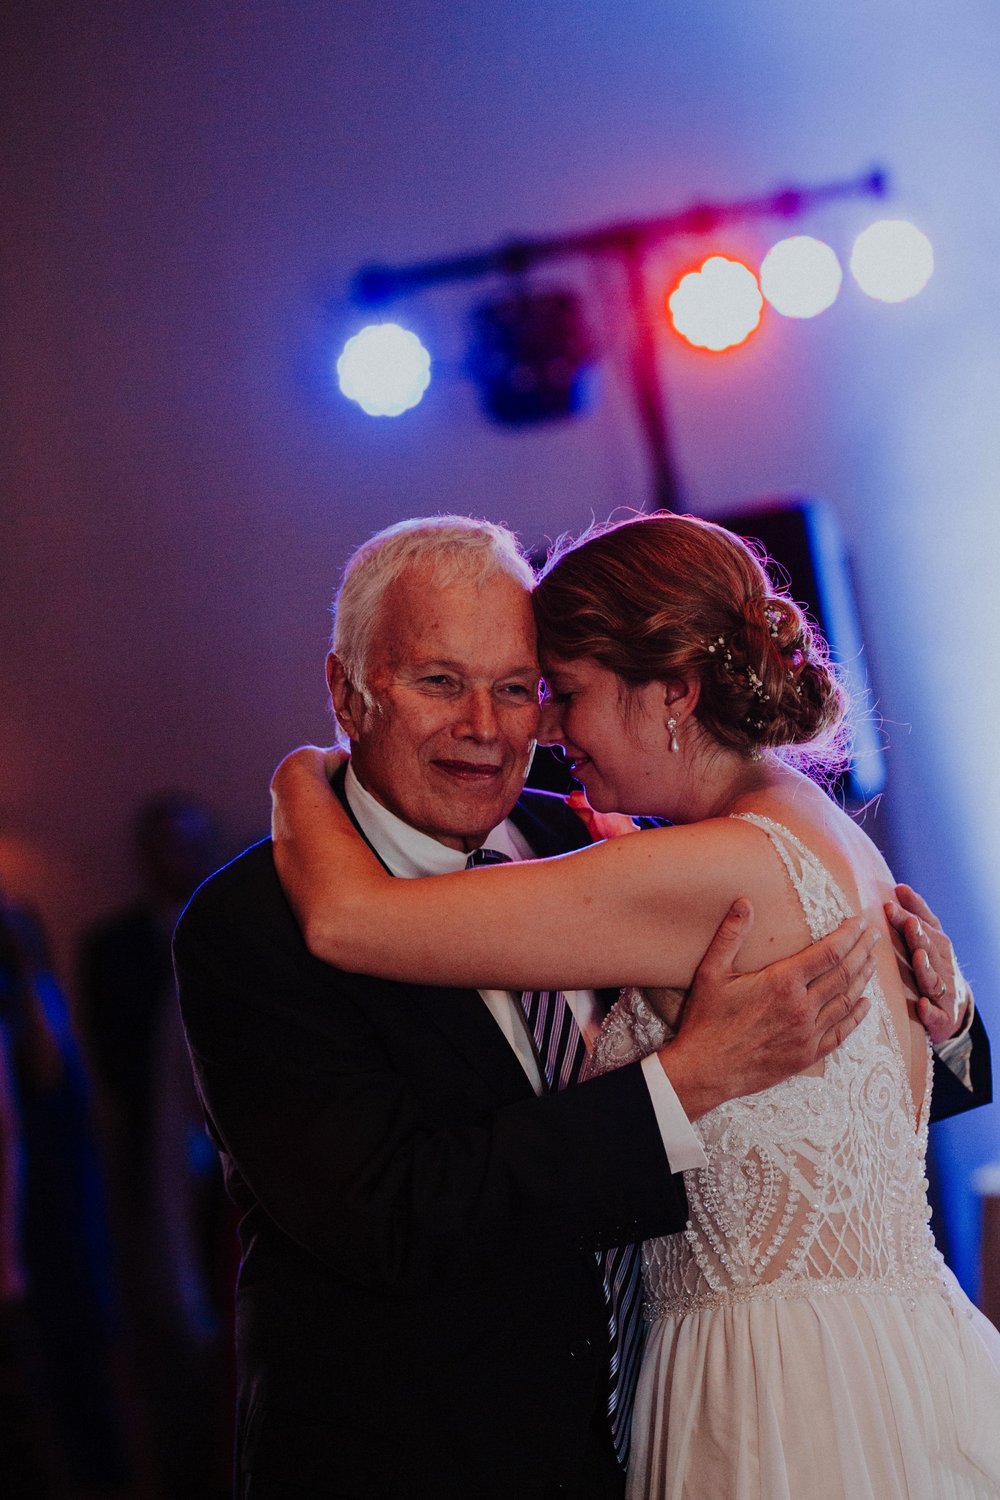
<point x="65" y="1433"/>
<point x="172" y="1224"/>
<point x="25" y="1442"/>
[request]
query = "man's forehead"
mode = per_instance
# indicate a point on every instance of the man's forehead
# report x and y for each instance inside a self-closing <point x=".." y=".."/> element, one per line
<point x="488" y="656"/>
<point x="428" y="618"/>
<point x="452" y="589"/>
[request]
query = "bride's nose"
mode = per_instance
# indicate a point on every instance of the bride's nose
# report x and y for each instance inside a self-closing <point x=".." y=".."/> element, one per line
<point x="550" y="724"/>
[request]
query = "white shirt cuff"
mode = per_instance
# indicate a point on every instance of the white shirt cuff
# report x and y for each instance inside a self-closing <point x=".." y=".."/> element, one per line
<point x="680" y="1141"/>
<point x="956" y="1052"/>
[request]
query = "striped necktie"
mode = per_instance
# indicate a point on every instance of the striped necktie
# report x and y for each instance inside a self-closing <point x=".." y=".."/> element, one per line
<point x="480" y="857"/>
<point x="561" y="1055"/>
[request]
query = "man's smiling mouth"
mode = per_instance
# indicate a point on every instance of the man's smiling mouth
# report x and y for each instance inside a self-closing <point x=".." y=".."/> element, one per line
<point x="466" y="770"/>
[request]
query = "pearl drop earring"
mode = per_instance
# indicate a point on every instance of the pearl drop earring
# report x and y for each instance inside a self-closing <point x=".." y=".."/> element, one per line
<point x="672" y="726"/>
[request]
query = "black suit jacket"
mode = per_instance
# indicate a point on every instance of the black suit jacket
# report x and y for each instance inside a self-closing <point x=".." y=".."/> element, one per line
<point x="419" y="1311"/>
<point x="950" y="1096"/>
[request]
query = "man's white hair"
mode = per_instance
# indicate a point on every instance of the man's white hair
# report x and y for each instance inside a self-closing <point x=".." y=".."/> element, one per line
<point x="452" y="549"/>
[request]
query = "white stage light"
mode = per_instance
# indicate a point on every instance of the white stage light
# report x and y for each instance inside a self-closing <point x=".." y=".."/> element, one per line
<point x="892" y="260"/>
<point x="717" y="306"/>
<point x="800" y="277"/>
<point x="385" y="369"/>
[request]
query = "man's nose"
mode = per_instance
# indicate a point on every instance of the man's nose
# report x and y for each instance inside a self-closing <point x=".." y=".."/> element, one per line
<point x="480" y="717"/>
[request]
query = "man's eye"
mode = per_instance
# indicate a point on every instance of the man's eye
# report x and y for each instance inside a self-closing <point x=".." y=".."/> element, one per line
<point x="438" y="680"/>
<point x="520" y="691"/>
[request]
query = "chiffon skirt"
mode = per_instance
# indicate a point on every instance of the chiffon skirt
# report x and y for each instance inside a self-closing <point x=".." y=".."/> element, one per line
<point x="831" y="1396"/>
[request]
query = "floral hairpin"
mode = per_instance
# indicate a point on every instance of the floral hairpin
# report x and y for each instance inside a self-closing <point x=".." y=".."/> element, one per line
<point x="757" y="685"/>
<point x="727" y="655"/>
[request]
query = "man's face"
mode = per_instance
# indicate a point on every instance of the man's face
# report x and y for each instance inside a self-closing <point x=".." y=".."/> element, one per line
<point x="446" y="741"/>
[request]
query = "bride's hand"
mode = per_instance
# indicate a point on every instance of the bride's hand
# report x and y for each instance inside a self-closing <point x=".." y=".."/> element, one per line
<point x="598" y="824"/>
<point x="308" y="765"/>
<point x="325" y="867"/>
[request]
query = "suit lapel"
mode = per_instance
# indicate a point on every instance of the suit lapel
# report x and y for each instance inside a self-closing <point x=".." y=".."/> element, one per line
<point x="553" y="828"/>
<point x="462" y="1017"/>
<point x="548" y="824"/>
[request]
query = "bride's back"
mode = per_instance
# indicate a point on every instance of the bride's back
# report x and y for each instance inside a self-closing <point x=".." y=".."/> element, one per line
<point x="859" y="872"/>
<point x="820" y="1179"/>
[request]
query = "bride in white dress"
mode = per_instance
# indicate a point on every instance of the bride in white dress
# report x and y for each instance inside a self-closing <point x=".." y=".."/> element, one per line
<point x="805" y="1338"/>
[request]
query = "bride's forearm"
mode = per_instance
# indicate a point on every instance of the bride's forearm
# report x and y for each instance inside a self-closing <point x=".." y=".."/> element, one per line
<point x="324" y="866"/>
<point x="614" y="912"/>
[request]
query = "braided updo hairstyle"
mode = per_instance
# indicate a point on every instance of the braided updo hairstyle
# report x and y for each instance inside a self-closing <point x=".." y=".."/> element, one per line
<point x="661" y="596"/>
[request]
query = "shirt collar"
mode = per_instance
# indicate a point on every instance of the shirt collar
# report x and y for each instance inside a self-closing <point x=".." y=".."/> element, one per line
<point x="406" y="850"/>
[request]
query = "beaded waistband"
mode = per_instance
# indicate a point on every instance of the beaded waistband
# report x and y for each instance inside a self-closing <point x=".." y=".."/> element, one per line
<point x="907" y="1288"/>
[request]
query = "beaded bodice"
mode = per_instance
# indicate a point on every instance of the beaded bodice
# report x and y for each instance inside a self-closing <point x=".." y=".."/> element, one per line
<point x="816" y="1184"/>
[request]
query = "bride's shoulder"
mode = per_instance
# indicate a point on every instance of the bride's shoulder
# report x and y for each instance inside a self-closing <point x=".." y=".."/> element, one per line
<point x="814" y="825"/>
<point x="719" y="848"/>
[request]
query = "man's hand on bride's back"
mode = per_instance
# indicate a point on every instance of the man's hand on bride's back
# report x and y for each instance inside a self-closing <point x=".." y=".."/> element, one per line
<point x="740" y="1033"/>
<point x="943" y="998"/>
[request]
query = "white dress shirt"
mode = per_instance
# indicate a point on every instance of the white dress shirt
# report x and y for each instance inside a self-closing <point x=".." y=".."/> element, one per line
<point x="409" y="853"/>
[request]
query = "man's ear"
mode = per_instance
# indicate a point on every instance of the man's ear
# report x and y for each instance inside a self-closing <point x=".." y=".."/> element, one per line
<point x="347" y="701"/>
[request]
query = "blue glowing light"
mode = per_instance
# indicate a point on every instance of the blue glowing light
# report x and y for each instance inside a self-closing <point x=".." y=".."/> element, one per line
<point x="385" y="369"/>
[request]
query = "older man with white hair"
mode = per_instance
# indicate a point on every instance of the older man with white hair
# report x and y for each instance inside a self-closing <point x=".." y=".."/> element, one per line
<point x="437" y="1294"/>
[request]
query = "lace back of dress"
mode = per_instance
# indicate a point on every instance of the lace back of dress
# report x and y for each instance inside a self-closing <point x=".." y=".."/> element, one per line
<point x="817" y="1180"/>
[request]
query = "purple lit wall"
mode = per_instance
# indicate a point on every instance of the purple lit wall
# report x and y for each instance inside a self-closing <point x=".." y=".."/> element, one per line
<point x="191" y="185"/>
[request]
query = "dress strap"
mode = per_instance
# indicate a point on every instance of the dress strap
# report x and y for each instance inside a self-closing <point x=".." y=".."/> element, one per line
<point x="823" y="902"/>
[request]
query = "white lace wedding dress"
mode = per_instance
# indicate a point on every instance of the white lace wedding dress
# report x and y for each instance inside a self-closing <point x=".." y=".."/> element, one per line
<point x="804" y="1336"/>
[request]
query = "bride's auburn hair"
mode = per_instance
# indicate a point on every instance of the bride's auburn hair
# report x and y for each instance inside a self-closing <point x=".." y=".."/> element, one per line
<point x="661" y="596"/>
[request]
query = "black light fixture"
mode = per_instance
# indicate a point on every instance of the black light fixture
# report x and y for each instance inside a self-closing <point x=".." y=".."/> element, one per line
<point x="531" y="349"/>
<point x="530" y="356"/>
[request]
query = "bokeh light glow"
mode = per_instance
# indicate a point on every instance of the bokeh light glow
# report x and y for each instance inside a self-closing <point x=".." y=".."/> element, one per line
<point x="892" y="260"/>
<point x="385" y="369"/>
<point x="718" y="306"/>
<point x="800" y="277"/>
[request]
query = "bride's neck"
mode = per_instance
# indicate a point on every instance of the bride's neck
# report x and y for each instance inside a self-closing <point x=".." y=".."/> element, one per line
<point x="716" y="782"/>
